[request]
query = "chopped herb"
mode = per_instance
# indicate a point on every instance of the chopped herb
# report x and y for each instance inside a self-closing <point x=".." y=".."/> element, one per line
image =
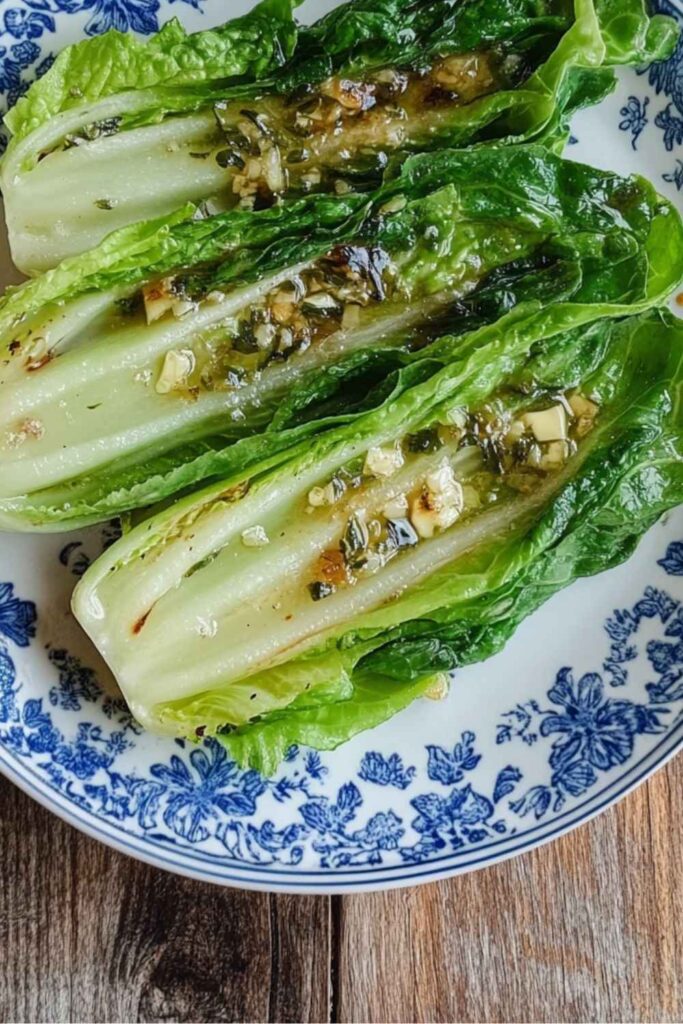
<point x="401" y="533"/>
<point x="355" y="540"/>
<point x="257" y="121"/>
<point x="319" y="590"/>
<point x="105" y="204"/>
<point x="338" y="487"/>
<point x="235" y="378"/>
<point x="130" y="304"/>
<point x="229" y="158"/>
<point x="369" y="263"/>
<point x="201" y="564"/>
<point x="424" y="441"/>
<point x="91" y="132"/>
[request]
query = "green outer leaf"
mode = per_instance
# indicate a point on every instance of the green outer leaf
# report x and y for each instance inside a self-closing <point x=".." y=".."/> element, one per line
<point x="298" y="685"/>
<point x="553" y="189"/>
<point x="619" y="250"/>
<point x="631" y="477"/>
<point x="264" y="744"/>
<point x="95" y="68"/>
<point x="631" y="471"/>
<point x="149" y="249"/>
<point x="633" y="38"/>
<point x="372" y="33"/>
<point x="98" y="269"/>
<point x="569" y="43"/>
<point x="600" y="537"/>
<point x="634" y="475"/>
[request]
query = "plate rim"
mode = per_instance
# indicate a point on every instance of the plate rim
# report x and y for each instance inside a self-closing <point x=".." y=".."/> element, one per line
<point x="227" y="871"/>
<point x="378" y="879"/>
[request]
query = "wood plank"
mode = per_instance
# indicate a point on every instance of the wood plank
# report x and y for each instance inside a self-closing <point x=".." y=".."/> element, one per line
<point x="87" y="934"/>
<point x="587" y="928"/>
<point x="584" y="929"/>
<point x="301" y="935"/>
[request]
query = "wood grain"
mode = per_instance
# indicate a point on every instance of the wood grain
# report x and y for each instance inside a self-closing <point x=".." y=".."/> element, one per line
<point x="87" y="934"/>
<point x="587" y="928"/>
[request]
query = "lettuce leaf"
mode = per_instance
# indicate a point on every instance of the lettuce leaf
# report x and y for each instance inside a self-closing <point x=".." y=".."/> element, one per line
<point x="119" y="130"/>
<point x="633" y="475"/>
<point x="470" y="235"/>
<point x="262" y="745"/>
<point x="440" y="603"/>
<point x="122" y="67"/>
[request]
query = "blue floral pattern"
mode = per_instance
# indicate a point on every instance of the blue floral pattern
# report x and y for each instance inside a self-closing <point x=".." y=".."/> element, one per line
<point x="634" y="118"/>
<point x="667" y="77"/>
<point x="207" y="789"/>
<point x="675" y="177"/>
<point x="385" y="771"/>
<point x="666" y="81"/>
<point x="593" y="732"/>
<point x="623" y="624"/>
<point x="17" y="618"/>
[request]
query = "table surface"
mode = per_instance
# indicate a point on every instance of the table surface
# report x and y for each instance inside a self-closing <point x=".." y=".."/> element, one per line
<point x="587" y="928"/>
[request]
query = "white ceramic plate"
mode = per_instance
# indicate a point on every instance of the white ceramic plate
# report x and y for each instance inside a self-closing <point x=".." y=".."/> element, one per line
<point x="583" y="704"/>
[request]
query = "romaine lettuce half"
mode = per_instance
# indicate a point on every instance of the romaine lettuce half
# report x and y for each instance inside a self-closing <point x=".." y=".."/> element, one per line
<point x="120" y="130"/>
<point x="178" y="351"/>
<point x="307" y="602"/>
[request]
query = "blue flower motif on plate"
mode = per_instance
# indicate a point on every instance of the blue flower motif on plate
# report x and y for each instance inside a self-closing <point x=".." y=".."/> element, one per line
<point x="593" y="732"/>
<point x="17" y="618"/>
<point x="209" y="787"/>
<point x="634" y="118"/>
<point x="385" y="771"/>
<point x="593" y="729"/>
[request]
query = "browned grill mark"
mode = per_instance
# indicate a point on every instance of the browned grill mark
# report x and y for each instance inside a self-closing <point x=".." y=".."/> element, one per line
<point x="141" y="621"/>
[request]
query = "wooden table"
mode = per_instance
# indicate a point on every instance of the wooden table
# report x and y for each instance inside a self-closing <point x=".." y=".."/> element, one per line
<point x="589" y="928"/>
